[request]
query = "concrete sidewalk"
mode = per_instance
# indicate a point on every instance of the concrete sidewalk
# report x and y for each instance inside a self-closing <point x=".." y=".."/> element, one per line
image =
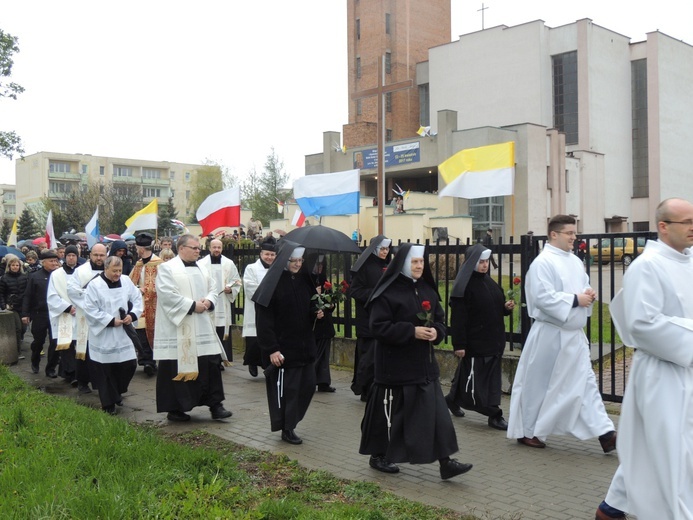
<point x="567" y="480"/>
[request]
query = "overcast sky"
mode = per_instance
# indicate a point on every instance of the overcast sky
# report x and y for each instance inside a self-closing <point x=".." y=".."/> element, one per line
<point x="223" y="80"/>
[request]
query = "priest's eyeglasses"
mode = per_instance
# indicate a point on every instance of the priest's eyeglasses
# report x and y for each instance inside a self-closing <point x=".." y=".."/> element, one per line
<point x="688" y="223"/>
<point x="191" y="247"/>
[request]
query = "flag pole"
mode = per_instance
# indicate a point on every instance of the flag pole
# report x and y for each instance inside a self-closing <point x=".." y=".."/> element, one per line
<point x="512" y="218"/>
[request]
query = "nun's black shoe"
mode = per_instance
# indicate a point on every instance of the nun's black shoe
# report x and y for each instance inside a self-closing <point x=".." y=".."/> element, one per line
<point x="326" y="388"/>
<point x="252" y="370"/>
<point x="451" y="468"/>
<point x="219" y="412"/>
<point x="150" y="370"/>
<point x="291" y="437"/>
<point x="498" y="423"/>
<point x="110" y="410"/>
<point x="382" y="464"/>
<point x="454" y="409"/>
<point x="177" y="416"/>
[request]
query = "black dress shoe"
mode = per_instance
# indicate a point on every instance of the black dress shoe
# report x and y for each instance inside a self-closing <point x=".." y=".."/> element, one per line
<point x="291" y="437"/>
<point x="380" y="463"/>
<point x="326" y="388"/>
<point x="451" y="468"/>
<point x="120" y="403"/>
<point x="51" y="374"/>
<point x="83" y="389"/>
<point x="498" y="423"/>
<point x="454" y="409"/>
<point x="177" y="416"/>
<point x="34" y="368"/>
<point x="219" y="412"/>
<point x="608" y="441"/>
<point x="252" y="370"/>
<point x="110" y="410"/>
<point x="150" y="370"/>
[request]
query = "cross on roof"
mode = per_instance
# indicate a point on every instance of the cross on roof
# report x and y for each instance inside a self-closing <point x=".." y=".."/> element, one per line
<point x="380" y="92"/>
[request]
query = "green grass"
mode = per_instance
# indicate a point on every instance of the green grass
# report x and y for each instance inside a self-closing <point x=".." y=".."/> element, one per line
<point x="60" y="460"/>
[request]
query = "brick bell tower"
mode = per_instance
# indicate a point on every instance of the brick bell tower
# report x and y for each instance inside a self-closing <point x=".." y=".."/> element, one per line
<point x="402" y="31"/>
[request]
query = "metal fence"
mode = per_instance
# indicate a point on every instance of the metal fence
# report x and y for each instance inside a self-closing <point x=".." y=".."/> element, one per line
<point x="605" y="256"/>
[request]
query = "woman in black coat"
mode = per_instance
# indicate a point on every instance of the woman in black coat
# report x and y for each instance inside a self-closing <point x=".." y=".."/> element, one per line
<point x="12" y="287"/>
<point x="406" y="417"/>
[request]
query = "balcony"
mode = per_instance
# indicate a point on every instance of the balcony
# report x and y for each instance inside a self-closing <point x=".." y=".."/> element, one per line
<point x="126" y="180"/>
<point x="155" y="182"/>
<point x="65" y="175"/>
<point x="59" y="195"/>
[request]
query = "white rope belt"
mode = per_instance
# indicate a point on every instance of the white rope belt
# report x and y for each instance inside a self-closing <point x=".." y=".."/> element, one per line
<point x="470" y="380"/>
<point x="387" y="406"/>
<point x="280" y="387"/>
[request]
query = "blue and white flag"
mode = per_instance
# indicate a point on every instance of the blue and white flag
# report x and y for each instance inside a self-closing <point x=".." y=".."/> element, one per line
<point x="92" y="230"/>
<point x="328" y="193"/>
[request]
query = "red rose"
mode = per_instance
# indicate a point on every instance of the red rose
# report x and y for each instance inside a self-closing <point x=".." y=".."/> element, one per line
<point x="327" y="286"/>
<point x="516" y="280"/>
<point x="426" y="305"/>
<point x="345" y="288"/>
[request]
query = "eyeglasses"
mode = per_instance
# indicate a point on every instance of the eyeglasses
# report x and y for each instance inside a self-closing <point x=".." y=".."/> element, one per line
<point x="688" y="222"/>
<point x="193" y="248"/>
<point x="569" y="233"/>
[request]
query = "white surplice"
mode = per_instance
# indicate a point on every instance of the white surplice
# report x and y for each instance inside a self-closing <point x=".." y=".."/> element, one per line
<point x="555" y="391"/>
<point x="63" y="324"/>
<point x="224" y="275"/>
<point x="655" y="438"/>
<point x="252" y="276"/>
<point x="177" y="288"/>
<point x="101" y="306"/>
<point x="76" y="291"/>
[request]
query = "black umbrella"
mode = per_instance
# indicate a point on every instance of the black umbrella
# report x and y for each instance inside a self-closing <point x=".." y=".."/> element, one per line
<point x="69" y="237"/>
<point x="322" y="238"/>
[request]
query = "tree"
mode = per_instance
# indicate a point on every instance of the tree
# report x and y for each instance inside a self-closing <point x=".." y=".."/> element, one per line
<point x="6" y="228"/>
<point x="27" y="226"/>
<point x="10" y="142"/>
<point x="206" y="180"/>
<point x="261" y="190"/>
<point x="166" y="214"/>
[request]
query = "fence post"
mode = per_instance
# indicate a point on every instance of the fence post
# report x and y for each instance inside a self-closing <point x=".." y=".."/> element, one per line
<point x="528" y="252"/>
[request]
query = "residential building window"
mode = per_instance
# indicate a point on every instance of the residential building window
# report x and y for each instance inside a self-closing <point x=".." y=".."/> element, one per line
<point x="150" y="173"/>
<point x="122" y="171"/>
<point x="102" y="170"/>
<point x="388" y="62"/>
<point x="58" y="167"/>
<point x="424" y="105"/>
<point x="565" y="95"/>
<point x="172" y="175"/>
<point x="84" y="168"/>
<point x="187" y="176"/>
<point x="388" y="134"/>
<point x="151" y="192"/>
<point x="487" y="212"/>
<point x="173" y="193"/>
<point x="640" y="143"/>
<point x="388" y="102"/>
<point x="187" y="194"/>
<point x="359" y="107"/>
<point x="358" y="28"/>
<point x="59" y="187"/>
<point x="358" y="67"/>
<point x="387" y="23"/>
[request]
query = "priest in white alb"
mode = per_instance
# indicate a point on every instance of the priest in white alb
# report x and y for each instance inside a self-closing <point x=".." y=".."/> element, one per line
<point x="225" y="274"/>
<point x="555" y="391"/>
<point x="654" y="314"/>
<point x="186" y="344"/>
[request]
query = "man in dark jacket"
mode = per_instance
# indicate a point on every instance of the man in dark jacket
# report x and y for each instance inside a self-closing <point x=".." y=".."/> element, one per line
<point x="366" y="272"/>
<point x="120" y="249"/>
<point x="488" y="242"/>
<point x="285" y="313"/>
<point x="477" y="326"/>
<point x="35" y="310"/>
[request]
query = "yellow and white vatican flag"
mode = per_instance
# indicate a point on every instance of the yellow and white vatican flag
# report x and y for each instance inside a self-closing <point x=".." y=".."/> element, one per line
<point x="12" y="239"/>
<point x="487" y="171"/>
<point x="146" y="218"/>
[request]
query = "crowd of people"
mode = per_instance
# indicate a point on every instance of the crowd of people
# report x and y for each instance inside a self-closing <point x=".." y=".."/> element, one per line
<point x="104" y="317"/>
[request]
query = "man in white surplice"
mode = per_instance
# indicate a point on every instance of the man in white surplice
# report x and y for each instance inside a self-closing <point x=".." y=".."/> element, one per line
<point x="185" y="342"/>
<point x="228" y="281"/>
<point x="654" y="314"/>
<point x="555" y="390"/>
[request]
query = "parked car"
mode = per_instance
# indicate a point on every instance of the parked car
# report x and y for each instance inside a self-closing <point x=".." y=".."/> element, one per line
<point x="622" y="251"/>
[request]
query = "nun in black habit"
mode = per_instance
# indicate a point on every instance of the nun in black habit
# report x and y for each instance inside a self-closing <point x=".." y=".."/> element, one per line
<point x="406" y="417"/>
<point x="366" y="272"/>
<point x="285" y="314"/>
<point x="477" y="326"/>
